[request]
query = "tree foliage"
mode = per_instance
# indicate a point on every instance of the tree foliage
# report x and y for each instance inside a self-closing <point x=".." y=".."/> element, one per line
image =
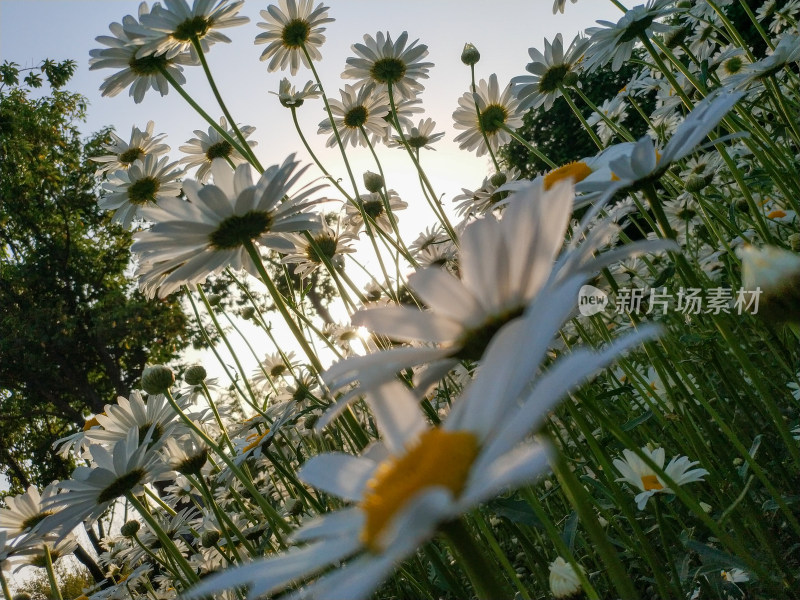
<point x="75" y="334"/>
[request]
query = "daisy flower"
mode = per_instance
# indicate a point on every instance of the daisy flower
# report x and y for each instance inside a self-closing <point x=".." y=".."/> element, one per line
<point x="194" y="239"/>
<point x="503" y="265"/>
<point x="417" y="479"/>
<point x="558" y="6"/>
<point x="419" y="136"/>
<point x="614" y="42"/>
<point x="786" y="52"/>
<point x="146" y="182"/>
<point x="123" y="153"/>
<point x="614" y="110"/>
<point x="380" y="62"/>
<point x="359" y="108"/>
<point x="374" y="207"/>
<point x="775" y="273"/>
<point x="207" y="146"/>
<point x="549" y="72"/>
<point x="25" y="511"/>
<point x="289" y="97"/>
<point x="325" y="245"/>
<point x="487" y="197"/>
<point x="564" y="581"/>
<point x="122" y="470"/>
<point x="140" y="73"/>
<point x="633" y="163"/>
<point x="639" y="475"/>
<point x="293" y="26"/>
<point x="172" y="29"/>
<point x="495" y="109"/>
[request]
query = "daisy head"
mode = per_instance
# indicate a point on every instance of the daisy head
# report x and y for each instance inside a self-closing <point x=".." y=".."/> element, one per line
<point x="176" y="27"/>
<point x="359" y="114"/>
<point x="418" y="136"/>
<point x="123" y="154"/>
<point x="374" y="209"/>
<point x="291" y="98"/>
<point x="484" y="116"/>
<point x="639" y="475"/>
<point x="220" y="224"/>
<point x="141" y="73"/>
<point x="293" y="33"/>
<point x="385" y="64"/>
<point x="208" y="145"/>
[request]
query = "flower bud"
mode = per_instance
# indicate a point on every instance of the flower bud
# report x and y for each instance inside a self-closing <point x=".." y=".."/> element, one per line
<point x="130" y="528"/>
<point x="214" y="299"/>
<point x="794" y="242"/>
<point x="195" y="375"/>
<point x="210" y="538"/>
<point x="498" y="179"/>
<point x="373" y="182"/>
<point x="294" y="507"/>
<point x="776" y="273"/>
<point x="248" y="312"/>
<point x="470" y="54"/>
<point x="157" y="379"/>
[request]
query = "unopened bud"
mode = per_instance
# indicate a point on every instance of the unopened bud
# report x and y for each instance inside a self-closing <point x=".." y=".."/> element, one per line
<point x="470" y="54"/>
<point x="130" y="528"/>
<point x="248" y="312"/>
<point x="210" y="538"/>
<point x="157" y="379"/>
<point x="571" y="79"/>
<point x="794" y="242"/>
<point x="214" y="299"/>
<point x="195" y="375"/>
<point x="373" y="182"/>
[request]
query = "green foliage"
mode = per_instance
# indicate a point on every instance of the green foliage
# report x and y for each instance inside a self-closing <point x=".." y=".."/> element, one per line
<point x="75" y="333"/>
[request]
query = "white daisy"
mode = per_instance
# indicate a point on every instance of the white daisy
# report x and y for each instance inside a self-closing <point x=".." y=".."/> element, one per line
<point x="125" y="469"/>
<point x="614" y="42"/>
<point x="291" y="98"/>
<point x="775" y="272"/>
<point x="290" y="28"/>
<point x="140" y="74"/>
<point x="25" y="511"/>
<point x="194" y="239"/>
<point x="308" y="254"/>
<point x="494" y="109"/>
<point x="419" y="136"/>
<point x="785" y="53"/>
<point x="550" y="72"/>
<point x="638" y="474"/>
<point x="632" y="163"/>
<point x="558" y="6"/>
<point x="564" y="581"/>
<point x="503" y="265"/>
<point x="207" y="146"/>
<point x="171" y="29"/>
<point x="381" y="62"/>
<point x="123" y="153"/>
<point x="373" y="206"/>
<point x="359" y="108"/>
<point x="419" y="478"/>
<point x="146" y="182"/>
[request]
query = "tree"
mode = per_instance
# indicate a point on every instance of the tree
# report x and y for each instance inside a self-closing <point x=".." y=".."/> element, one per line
<point x="75" y="332"/>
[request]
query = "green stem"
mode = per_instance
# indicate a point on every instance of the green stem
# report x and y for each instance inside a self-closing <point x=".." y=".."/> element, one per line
<point x="536" y="152"/>
<point x="481" y="572"/>
<point x="4" y="585"/>
<point x="576" y="111"/>
<point x="51" y="575"/>
<point x="166" y="542"/>
<point x="250" y="156"/>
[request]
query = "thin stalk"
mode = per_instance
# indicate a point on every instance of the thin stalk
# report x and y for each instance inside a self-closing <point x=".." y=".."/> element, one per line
<point x="166" y="542"/>
<point x="4" y="586"/>
<point x="51" y="575"/>
<point x="576" y="111"/>
<point x="482" y="574"/>
<point x="536" y="152"/>
<point x="250" y="156"/>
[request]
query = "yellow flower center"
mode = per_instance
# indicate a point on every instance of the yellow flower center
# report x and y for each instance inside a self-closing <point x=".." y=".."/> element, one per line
<point x="576" y="170"/>
<point x="93" y="422"/>
<point x="256" y="440"/>
<point x="651" y="482"/>
<point x="439" y="458"/>
<point x="776" y="214"/>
